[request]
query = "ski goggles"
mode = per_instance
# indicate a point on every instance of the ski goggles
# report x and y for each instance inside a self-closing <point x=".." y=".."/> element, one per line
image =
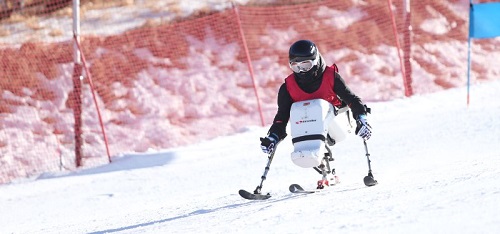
<point x="304" y="66"/>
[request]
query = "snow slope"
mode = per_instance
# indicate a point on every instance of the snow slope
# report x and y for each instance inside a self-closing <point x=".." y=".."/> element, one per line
<point x="436" y="161"/>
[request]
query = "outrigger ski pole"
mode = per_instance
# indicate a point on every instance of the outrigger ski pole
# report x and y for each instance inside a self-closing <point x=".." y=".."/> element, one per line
<point x="369" y="180"/>
<point x="266" y="170"/>
<point x="257" y="192"/>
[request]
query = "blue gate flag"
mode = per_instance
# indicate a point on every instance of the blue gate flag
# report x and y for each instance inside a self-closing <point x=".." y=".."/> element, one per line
<point x="484" y="20"/>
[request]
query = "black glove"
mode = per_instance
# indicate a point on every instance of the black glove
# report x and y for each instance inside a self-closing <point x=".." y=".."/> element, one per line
<point x="363" y="129"/>
<point x="268" y="143"/>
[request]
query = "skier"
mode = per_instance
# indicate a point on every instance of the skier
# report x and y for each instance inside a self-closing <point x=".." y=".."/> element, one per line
<point x="312" y="79"/>
<point x="314" y="98"/>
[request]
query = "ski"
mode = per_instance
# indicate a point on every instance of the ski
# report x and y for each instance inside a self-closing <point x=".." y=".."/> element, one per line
<point x="251" y="196"/>
<point x="295" y="188"/>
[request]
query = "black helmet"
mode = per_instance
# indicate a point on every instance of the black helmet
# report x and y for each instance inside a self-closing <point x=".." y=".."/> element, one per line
<point x="302" y="50"/>
<point x="305" y="61"/>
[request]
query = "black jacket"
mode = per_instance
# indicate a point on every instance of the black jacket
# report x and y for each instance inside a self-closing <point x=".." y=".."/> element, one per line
<point x="312" y="84"/>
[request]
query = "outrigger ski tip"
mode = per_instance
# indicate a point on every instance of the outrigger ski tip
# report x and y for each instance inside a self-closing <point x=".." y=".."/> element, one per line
<point x="251" y="196"/>
<point x="369" y="180"/>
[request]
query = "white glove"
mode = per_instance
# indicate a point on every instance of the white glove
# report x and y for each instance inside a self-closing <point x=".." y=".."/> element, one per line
<point x="363" y="129"/>
<point x="268" y="143"/>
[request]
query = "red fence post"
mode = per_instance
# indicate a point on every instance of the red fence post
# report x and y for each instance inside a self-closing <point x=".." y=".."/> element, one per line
<point x="249" y="62"/>
<point x="407" y="86"/>
<point x="407" y="47"/>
